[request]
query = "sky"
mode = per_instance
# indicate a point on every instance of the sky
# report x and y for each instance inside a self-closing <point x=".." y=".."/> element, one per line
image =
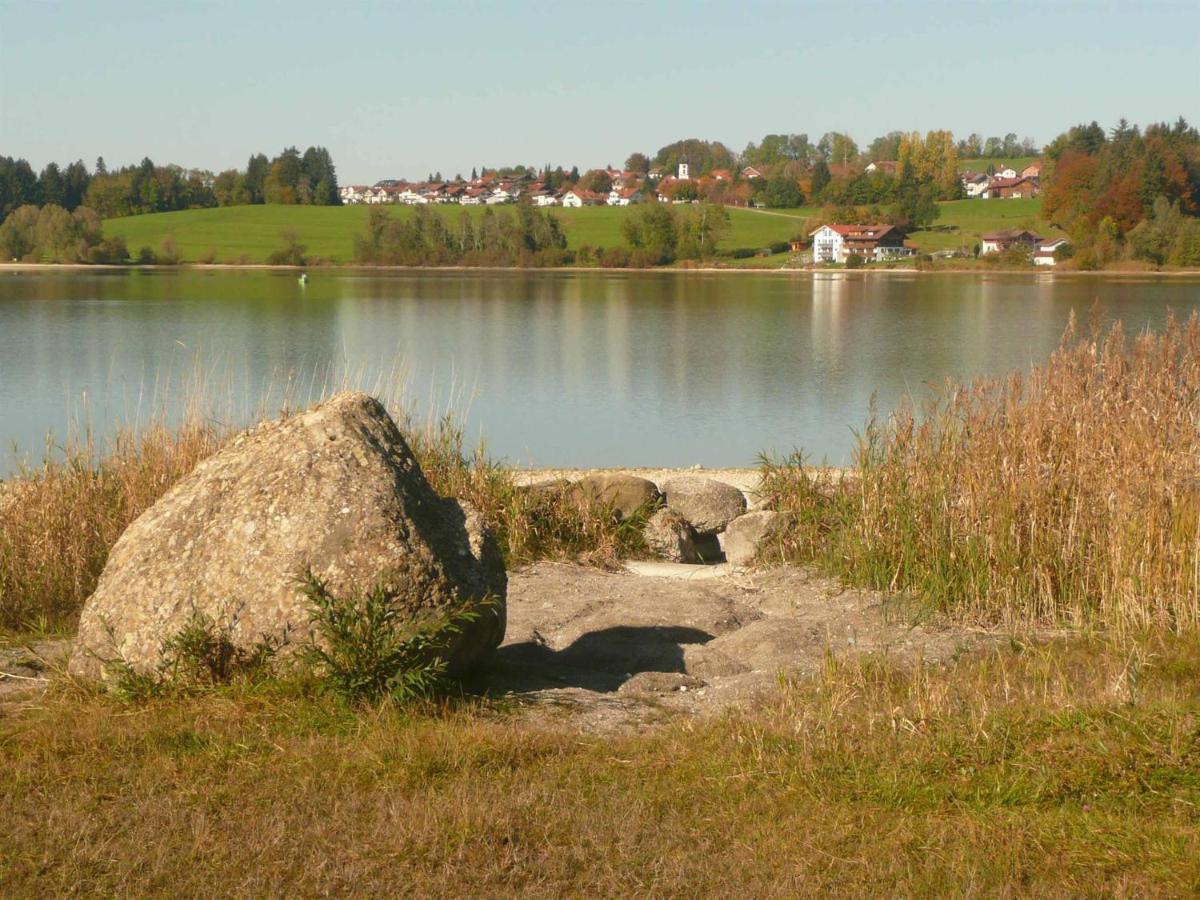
<point x="403" y="89"/>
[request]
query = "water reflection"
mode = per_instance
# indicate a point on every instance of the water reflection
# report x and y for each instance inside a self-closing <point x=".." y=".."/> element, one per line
<point x="585" y="369"/>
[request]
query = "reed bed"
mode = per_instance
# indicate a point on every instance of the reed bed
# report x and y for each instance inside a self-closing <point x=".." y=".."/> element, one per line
<point x="1070" y="495"/>
<point x="60" y="518"/>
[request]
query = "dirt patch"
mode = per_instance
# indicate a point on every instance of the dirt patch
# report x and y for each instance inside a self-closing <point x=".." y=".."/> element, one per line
<point x="26" y="668"/>
<point x="618" y="651"/>
<point x="604" y="651"/>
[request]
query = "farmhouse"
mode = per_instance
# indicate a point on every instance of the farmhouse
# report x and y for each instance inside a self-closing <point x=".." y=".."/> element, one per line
<point x="583" y="197"/>
<point x="837" y="243"/>
<point x="997" y="241"/>
<point x="752" y="172"/>
<point x="1046" y="248"/>
<point x="890" y="166"/>
<point x="1033" y="170"/>
<point x="624" y="196"/>
<point x="1011" y="188"/>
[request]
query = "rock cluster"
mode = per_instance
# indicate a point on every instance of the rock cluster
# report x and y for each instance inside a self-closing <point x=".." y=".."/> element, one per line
<point x="335" y="490"/>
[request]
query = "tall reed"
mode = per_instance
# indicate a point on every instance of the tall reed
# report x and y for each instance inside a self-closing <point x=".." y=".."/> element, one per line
<point x="60" y="519"/>
<point x="1070" y="495"/>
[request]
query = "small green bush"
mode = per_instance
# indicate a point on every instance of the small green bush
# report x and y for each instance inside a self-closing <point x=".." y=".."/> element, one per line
<point x="369" y="646"/>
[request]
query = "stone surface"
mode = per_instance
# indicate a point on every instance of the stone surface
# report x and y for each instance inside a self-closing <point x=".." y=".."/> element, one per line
<point x="707" y="504"/>
<point x="335" y="489"/>
<point x="746" y="535"/>
<point x="670" y="537"/>
<point x="624" y="494"/>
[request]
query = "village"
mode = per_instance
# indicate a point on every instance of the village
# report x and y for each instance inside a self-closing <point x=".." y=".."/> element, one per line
<point x="831" y="243"/>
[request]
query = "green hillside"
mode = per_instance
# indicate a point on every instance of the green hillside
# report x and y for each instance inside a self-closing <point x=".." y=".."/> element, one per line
<point x="981" y="165"/>
<point x="252" y="232"/>
<point x="963" y="221"/>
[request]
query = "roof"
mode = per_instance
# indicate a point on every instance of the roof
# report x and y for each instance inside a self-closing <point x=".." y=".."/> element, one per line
<point x="865" y="232"/>
<point x="1009" y="182"/>
<point x="1009" y="234"/>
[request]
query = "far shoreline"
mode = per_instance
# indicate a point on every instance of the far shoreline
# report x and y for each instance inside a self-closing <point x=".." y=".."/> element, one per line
<point x="18" y="268"/>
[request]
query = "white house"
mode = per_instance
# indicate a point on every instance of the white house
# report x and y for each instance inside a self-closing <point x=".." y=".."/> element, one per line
<point x="836" y="243"/>
<point x="498" y="197"/>
<point x="411" y="198"/>
<point x="353" y="193"/>
<point x="975" y="184"/>
<point x="624" y="196"/>
<point x="544" y="198"/>
<point x="1007" y="172"/>
<point x="1044" y="254"/>
<point x="583" y="197"/>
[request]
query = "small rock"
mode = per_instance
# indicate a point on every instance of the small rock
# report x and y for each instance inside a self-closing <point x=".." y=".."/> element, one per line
<point x="708" y="505"/>
<point x="746" y="535"/>
<point x="660" y="683"/>
<point x="670" y="537"/>
<point x="624" y="494"/>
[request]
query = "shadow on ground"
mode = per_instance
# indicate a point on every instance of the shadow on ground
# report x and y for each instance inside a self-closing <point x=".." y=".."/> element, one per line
<point x="598" y="661"/>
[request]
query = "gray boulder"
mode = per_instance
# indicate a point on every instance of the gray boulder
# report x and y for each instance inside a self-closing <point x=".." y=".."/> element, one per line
<point x="335" y="489"/>
<point x="623" y="494"/>
<point x="670" y="537"/>
<point x="707" y="504"/>
<point x="747" y="535"/>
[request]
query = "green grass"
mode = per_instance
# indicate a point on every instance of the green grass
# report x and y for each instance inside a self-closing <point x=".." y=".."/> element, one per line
<point x="963" y="221"/>
<point x="328" y="232"/>
<point x="1071" y="769"/>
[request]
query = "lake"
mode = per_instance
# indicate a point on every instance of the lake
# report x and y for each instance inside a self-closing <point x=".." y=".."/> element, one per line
<point x="558" y="369"/>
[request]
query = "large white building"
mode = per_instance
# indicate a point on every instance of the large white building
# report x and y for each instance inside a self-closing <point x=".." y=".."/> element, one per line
<point x="873" y="243"/>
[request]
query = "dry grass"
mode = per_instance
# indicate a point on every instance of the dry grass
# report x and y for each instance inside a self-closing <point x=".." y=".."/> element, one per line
<point x="1070" y="769"/>
<point x="59" y="521"/>
<point x="1069" y="496"/>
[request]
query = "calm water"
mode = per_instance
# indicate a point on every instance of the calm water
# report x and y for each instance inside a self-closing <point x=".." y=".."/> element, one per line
<point x="584" y="369"/>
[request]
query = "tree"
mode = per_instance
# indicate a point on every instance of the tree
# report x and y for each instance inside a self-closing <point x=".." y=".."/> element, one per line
<point x="836" y="147"/>
<point x="75" y="184"/>
<point x="257" y="169"/>
<point x="651" y="228"/>
<point x="52" y="188"/>
<point x="782" y="192"/>
<point x="820" y="178"/>
<point x="638" y="162"/>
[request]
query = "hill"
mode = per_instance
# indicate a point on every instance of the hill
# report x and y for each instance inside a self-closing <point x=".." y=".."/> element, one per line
<point x="250" y="233"/>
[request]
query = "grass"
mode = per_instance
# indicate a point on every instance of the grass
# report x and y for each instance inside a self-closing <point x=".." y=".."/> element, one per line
<point x="1067" y="496"/>
<point x="251" y="233"/>
<point x="59" y="520"/>
<point x="962" y="222"/>
<point x="1066" y="769"/>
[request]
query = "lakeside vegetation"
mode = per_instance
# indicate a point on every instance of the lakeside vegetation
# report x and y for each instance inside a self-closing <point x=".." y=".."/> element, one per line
<point x="1065" y="498"/>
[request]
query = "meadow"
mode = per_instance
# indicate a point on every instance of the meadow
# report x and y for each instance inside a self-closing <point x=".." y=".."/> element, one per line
<point x="251" y="233"/>
<point x="248" y="234"/>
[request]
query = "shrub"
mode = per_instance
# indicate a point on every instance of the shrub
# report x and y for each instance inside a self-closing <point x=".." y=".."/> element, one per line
<point x="200" y="656"/>
<point x="168" y="253"/>
<point x="854" y="261"/>
<point x="146" y="256"/>
<point x="292" y="253"/>
<point x="207" y="257"/>
<point x="370" y="646"/>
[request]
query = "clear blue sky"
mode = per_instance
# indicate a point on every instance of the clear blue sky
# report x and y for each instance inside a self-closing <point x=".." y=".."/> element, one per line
<point x="400" y="89"/>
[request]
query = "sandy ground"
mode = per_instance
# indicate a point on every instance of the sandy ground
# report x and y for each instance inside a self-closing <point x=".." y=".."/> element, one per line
<point x="620" y="651"/>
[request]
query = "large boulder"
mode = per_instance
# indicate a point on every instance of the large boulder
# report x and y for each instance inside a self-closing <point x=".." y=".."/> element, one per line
<point x="623" y="494"/>
<point x="670" y="537"/>
<point x="336" y="490"/>
<point x="747" y="535"/>
<point x="709" y="505"/>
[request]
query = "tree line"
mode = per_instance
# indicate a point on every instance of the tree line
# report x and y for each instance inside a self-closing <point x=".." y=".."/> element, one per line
<point x="291" y="177"/>
<point x="1126" y="193"/>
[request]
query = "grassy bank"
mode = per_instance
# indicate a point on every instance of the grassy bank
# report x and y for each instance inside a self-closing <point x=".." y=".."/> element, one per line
<point x="250" y="233"/>
<point x="1067" y="769"/>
